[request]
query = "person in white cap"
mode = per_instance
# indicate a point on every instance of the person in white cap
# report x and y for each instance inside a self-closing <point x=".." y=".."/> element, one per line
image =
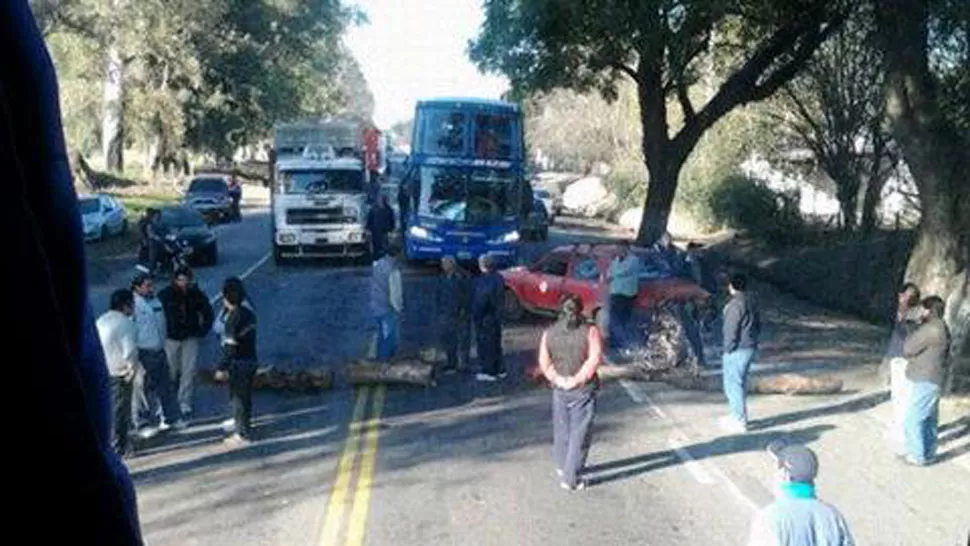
<point x="797" y="517"/>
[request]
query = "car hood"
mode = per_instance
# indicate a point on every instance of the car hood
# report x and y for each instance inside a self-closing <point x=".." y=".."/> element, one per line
<point x="192" y="234"/>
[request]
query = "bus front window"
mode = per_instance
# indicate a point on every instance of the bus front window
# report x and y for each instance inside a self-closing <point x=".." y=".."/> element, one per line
<point x="443" y="133"/>
<point x="466" y="195"/>
<point x="493" y="136"/>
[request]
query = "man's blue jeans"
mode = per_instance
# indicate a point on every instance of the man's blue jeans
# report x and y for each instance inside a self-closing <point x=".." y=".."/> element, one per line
<point x="734" y="376"/>
<point x="922" y="420"/>
<point x="387" y="326"/>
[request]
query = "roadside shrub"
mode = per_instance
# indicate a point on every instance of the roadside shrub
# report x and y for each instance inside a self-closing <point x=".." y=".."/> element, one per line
<point x="750" y="205"/>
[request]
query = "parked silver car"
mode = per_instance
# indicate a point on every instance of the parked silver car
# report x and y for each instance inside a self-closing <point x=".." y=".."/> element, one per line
<point x="102" y="216"/>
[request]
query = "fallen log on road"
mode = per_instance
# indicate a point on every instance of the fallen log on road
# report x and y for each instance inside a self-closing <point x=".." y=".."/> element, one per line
<point x="789" y="384"/>
<point x="274" y="379"/>
<point x="404" y="372"/>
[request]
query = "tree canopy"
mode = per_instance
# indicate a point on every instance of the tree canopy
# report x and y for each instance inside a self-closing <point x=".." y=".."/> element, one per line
<point x="663" y="46"/>
<point x="205" y="76"/>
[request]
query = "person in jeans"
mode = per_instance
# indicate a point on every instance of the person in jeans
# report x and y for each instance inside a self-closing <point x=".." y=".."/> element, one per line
<point x="906" y="320"/>
<point x="797" y="517"/>
<point x="926" y="351"/>
<point x="152" y="383"/>
<point x="570" y="353"/>
<point x="453" y="306"/>
<point x="117" y="333"/>
<point x="387" y="302"/>
<point x="238" y="363"/>
<point x="188" y="319"/>
<point x="487" y="307"/>
<point x="742" y="327"/>
<point x="624" y="282"/>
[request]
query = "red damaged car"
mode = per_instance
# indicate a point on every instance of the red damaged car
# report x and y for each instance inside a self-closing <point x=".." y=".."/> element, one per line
<point x="581" y="269"/>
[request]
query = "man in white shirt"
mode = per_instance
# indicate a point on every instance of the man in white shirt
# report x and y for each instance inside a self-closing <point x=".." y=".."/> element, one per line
<point x="624" y="281"/>
<point x="117" y="333"/>
<point x="152" y="384"/>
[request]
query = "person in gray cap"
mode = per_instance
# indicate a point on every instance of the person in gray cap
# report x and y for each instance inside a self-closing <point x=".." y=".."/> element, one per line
<point x="797" y="517"/>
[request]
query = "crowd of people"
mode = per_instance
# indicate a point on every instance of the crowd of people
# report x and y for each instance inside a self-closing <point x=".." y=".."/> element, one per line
<point x="151" y="347"/>
<point x="151" y="344"/>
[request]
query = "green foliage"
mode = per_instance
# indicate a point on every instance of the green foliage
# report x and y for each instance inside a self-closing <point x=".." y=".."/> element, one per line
<point x="750" y="205"/>
<point x="204" y="75"/>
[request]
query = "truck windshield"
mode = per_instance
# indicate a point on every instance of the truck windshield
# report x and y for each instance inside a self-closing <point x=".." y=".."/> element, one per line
<point x="318" y="181"/>
<point x="460" y="194"/>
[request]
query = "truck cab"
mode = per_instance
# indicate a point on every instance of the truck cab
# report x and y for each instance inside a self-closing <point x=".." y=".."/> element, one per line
<point x="320" y="206"/>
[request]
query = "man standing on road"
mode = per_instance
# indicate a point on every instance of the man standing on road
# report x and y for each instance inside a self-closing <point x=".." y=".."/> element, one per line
<point x="487" y="307"/>
<point x="188" y="319"/>
<point x="570" y="353"/>
<point x="117" y="333"/>
<point x="742" y="327"/>
<point x="624" y="281"/>
<point x="797" y="517"/>
<point x="453" y="305"/>
<point x="152" y="383"/>
<point x="239" y="362"/>
<point x="926" y="351"/>
<point x="380" y="222"/>
<point x="154" y="237"/>
<point x="907" y="319"/>
<point x="387" y="302"/>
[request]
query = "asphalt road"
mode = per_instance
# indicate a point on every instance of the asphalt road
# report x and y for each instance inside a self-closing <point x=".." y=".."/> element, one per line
<point x="469" y="464"/>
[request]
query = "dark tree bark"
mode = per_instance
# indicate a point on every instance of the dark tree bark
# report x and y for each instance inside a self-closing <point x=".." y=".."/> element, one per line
<point x="937" y="154"/>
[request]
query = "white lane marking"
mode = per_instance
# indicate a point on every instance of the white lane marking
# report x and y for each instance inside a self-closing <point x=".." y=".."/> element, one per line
<point x="696" y="468"/>
<point x="734" y="489"/>
<point x="252" y="269"/>
<point x="640" y="396"/>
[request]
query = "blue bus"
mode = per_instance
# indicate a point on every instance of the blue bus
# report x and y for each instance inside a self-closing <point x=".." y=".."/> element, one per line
<point x="465" y="192"/>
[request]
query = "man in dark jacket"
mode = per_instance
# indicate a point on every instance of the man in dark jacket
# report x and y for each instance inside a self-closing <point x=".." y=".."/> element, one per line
<point x="380" y="222"/>
<point x="742" y="327"/>
<point x="238" y="363"/>
<point x="188" y="318"/>
<point x="926" y="351"/>
<point x="487" y="311"/>
<point x="453" y="306"/>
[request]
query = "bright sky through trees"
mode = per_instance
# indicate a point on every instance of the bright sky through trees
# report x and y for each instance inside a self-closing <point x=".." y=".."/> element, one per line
<point x="414" y="49"/>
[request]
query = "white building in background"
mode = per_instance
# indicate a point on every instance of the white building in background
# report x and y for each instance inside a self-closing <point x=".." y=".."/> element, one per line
<point x="817" y="195"/>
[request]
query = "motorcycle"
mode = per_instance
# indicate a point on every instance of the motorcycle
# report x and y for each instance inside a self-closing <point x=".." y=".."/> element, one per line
<point x="176" y="254"/>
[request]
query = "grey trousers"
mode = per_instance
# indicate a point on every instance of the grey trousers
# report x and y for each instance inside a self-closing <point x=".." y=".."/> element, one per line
<point x="182" y="356"/>
<point x="572" y="417"/>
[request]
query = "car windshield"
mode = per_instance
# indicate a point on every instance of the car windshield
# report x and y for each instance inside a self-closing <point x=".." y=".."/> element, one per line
<point x="89" y="205"/>
<point x="316" y="181"/>
<point x="208" y="185"/>
<point x="468" y="195"/>
<point x="181" y="217"/>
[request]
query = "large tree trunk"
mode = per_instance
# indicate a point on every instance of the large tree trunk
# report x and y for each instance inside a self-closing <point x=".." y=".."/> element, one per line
<point x="662" y="160"/>
<point x="112" y="121"/>
<point x="937" y="154"/>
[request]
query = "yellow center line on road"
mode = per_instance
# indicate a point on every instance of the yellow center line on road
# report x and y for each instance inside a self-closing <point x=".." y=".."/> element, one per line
<point x="358" y="514"/>
<point x="338" y="496"/>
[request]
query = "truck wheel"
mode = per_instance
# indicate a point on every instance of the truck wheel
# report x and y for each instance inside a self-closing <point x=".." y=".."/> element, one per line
<point x="512" y="306"/>
<point x="278" y="257"/>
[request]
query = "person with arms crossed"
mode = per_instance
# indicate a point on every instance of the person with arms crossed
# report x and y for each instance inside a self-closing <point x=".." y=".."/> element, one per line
<point x="570" y="353"/>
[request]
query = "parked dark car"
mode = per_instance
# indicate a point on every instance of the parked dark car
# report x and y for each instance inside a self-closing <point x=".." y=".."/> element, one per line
<point x="186" y="225"/>
<point x="209" y="195"/>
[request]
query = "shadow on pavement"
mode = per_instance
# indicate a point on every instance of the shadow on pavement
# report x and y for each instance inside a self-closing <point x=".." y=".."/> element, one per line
<point x="848" y="406"/>
<point x="725" y="445"/>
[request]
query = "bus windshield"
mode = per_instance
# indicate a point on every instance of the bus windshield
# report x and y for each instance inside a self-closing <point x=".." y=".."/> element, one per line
<point x="323" y="180"/>
<point x="467" y="195"/>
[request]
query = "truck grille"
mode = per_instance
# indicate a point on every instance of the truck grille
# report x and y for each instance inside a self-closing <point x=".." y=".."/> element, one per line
<point x="326" y="215"/>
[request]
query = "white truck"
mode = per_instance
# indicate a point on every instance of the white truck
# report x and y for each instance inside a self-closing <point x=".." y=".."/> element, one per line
<point x="319" y="191"/>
